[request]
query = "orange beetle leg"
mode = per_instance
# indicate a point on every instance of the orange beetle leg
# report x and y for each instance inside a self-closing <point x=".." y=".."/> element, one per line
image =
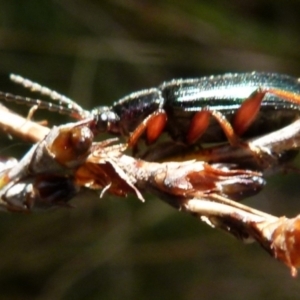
<point x="249" y="109"/>
<point x="247" y="112"/>
<point x="232" y="137"/>
<point x="200" y="123"/>
<point x="154" y="124"/>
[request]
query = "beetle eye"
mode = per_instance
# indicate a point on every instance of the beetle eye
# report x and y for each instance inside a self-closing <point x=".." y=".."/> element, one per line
<point x="103" y="117"/>
<point x="111" y="117"/>
<point x="102" y="122"/>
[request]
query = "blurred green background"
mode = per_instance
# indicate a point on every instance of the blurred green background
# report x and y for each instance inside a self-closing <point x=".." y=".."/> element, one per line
<point x="113" y="248"/>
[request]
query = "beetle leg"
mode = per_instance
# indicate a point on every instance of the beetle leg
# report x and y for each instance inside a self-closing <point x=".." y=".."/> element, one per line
<point x="198" y="126"/>
<point x="154" y="124"/>
<point x="200" y="122"/>
<point x="261" y="154"/>
<point x="249" y="109"/>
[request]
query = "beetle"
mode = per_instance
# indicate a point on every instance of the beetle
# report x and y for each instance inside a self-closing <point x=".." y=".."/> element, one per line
<point x="209" y="109"/>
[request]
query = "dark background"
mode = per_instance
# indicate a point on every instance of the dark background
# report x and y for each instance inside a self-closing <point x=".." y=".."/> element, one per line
<point x="113" y="248"/>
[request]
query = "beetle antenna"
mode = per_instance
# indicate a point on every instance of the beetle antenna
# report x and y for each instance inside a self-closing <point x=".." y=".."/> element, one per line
<point x="52" y="94"/>
<point x="70" y="111"/>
